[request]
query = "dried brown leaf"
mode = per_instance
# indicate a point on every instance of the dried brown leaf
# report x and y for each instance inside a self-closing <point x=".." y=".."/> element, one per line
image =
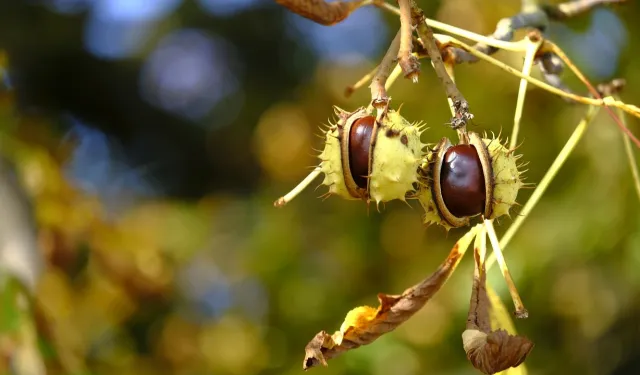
<point x="320" y="11"/>
<point x="495" y="351"/>
<point x="489" y="351"/>
<point x="365" y="324"/>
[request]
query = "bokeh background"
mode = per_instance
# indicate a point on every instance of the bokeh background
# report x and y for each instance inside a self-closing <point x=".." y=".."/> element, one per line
<point x="144" y="142"/>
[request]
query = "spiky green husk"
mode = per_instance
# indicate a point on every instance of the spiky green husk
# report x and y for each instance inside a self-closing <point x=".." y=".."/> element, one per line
<point x="396" y="156"/>
<point x="425" y="194"/>
<point x="506" y="182"/>
<point x="331" y="164"/>
<point x="506" y="177"/>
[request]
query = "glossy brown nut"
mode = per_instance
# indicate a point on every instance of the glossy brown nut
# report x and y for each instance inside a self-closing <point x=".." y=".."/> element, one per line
<point x="359" y="148"/>
<point x="462" y="181"/>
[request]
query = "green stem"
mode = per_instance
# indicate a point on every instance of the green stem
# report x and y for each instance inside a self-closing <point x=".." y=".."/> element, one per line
<point x="546" y="180"/>
<point x="606" y="101"/>
<point x="509" y="46"/>
<point x="522" y="92"/>
<point x="629" y="151"/>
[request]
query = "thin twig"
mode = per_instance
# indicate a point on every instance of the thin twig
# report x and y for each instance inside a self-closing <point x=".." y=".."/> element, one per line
<point x="500" y="39"/>
<point x="558" y="51"/>
<point x="395" y="73"/>
<point x="462" y="132"/>
<point x="532" y="15"/>
<point x="509" y="46"/>
<point x="632" y="162"/>
<point x="510" y="25"/>
<point x="379" y="97"/>
<point x="521" y="312"/>
<point x="607" y="101"/>
<point x="452" y="74"/>
<point x="522" y="92"/>
<point x="505" y="30"/>
<point x="298" y="189"/>
<point x="597" y="101"/>
<point x="360" y="83"/>
<point x="629" y="152"/>
<point x="408" y="62"/>
<point x="463" y="115"/>
<point x="546" y="180"/>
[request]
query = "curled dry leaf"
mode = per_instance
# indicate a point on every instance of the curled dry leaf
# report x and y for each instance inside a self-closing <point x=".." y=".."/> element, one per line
<point x="321" y="11"/>
<point x="365" y="324"/>
<point x="495" y="351"/>
<point x="489" y="351"/>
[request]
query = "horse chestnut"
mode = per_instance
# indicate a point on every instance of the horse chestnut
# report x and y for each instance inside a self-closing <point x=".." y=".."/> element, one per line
<point x="466" y="180"/>
<point x="371" y="159"/>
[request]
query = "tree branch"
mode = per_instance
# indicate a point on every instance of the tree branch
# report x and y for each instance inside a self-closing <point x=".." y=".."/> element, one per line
<point x="461" y="106"/>
<point x="532" y="16"/>
<point x="379" y="97"/>
<point x="535" y="17"/>
<point x="408" y="62"/>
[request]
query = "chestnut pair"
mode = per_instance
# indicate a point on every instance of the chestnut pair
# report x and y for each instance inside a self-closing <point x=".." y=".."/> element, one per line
<point x="381" y="159"/>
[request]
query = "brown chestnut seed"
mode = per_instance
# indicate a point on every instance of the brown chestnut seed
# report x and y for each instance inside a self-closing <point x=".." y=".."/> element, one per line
<point x="359" y="147"/>
<point x="368" y="158"/>
<point x="459" y="182"/>
<point x="462" y="181"/>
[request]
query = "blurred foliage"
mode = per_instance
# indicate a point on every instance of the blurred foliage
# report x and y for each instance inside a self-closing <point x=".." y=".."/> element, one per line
<point x="206" y="276"/>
